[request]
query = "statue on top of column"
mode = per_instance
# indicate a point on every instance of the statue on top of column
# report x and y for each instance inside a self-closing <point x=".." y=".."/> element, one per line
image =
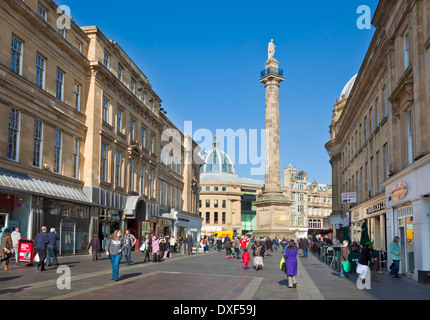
<point x="271" y="49"/>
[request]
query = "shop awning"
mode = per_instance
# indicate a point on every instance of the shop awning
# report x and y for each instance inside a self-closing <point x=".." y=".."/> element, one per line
<point x="21" y="182"/>
<point x="135" y="208"/>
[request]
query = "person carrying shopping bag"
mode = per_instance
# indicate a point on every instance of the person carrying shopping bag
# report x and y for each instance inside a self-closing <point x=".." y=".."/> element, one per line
<point x="291" y="263"/>
<point x="344" y="262"/>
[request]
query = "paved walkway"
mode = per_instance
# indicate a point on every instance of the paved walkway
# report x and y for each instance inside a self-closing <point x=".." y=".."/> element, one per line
<point x="203" y="276"/>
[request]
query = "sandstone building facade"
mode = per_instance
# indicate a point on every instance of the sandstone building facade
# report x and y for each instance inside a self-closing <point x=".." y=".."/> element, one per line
<point x="379" y="145"/>
<point x="312" y="203"/>
<point x="82" y="134"/>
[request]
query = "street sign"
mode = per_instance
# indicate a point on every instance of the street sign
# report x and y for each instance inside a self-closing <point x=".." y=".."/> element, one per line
<point x="350" y="197"/>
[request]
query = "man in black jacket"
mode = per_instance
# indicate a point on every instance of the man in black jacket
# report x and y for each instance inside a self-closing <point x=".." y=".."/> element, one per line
<point x="40" y="243"/>
<point x="363" y="260"/>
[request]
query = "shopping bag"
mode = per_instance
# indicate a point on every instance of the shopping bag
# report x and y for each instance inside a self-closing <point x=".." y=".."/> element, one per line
<point x="346" y="265"/>
<point x="143" y="248"/>
<point x="282" y="265"/>
<point x="36" y="258"/>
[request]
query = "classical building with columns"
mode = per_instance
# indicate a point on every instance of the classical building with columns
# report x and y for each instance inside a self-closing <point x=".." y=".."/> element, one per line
<point x="86" y="146"/>
<point x="380" y="131"/>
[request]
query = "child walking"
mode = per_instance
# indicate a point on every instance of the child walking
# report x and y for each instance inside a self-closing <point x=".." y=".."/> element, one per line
<point x="376" y="266"/>
<point x="246" y="258"/>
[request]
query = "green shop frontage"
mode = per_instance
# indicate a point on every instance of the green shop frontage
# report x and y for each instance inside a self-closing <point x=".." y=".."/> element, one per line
<point x="248" y="215"/>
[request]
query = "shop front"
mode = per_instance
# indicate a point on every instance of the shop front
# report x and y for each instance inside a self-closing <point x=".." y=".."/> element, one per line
<point x="15" y="211"/>
<point x="300" y="233"/>
<point x="71" y="222"/>
<point x="30" y="202"/>
<point x="408" y="217"/>
<point x="108" y="220"/>
<point x="186" y="224"/>
<point x="374" y="214"/>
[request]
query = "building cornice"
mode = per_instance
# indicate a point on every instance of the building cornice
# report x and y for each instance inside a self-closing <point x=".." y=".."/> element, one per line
<point x="46" y="29"/>
<point x="116" y="86"/>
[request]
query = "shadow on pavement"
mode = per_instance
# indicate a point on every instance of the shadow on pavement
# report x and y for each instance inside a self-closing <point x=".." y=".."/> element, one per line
<point x="10" y="278"/>
<point x="283" y="282"/>
<point x="13" y="290"/>
<point x="130" y="275"/>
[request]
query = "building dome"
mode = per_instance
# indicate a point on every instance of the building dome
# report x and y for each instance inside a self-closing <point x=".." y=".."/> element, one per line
<point x="217" y="161"/>
<point x="347" y="90"/>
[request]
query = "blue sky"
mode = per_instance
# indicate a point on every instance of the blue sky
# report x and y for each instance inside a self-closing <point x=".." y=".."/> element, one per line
<point x="203" y="58"/>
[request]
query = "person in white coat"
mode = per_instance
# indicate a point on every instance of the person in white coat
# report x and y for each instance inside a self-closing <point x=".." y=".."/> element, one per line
<point x="16" y="235"/>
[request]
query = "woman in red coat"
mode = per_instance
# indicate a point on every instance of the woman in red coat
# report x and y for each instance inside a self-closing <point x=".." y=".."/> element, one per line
<point x="246" y="258"/>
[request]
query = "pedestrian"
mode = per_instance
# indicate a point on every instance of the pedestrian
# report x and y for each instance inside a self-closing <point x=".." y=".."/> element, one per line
<point x="50" y="248"/>
<point x="243" y="244"/>
<point x="363" y="261"/>
<point x="376" y="267"/>
<point x="16" y="235"/>
<point x="344" y="256"/>
<point x="236" y="246"/>
<point x="355" y="248"/>
<point x="258" y="253"/>
<point x="206" y="244"/>
<point x="228" y="246"/>
<point x="291" y="264"/>
<point x="129" y="242"/>
<point x="219" y="244"/>
<point x="114" y="249"/>
<point x="95" y="246"/>
<point x="269" y="246"/>
<point x="245" y="259"/>
<point x="305" y="247"/>
<point x="148" y="247"/>
<point x="40" y="243"/>
<point x="276" y="243"/>
<point x="162" y="246"/>
<point x="284" y="244"/>
<point x="189" y="244"/>
<point x="155" y="249"/>
<point x="396" y="256"/>
<point x="6" y="248"/>
<point x="172" y="245"/>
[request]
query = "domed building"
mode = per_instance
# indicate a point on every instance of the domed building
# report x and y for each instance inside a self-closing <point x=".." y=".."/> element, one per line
<point x="339" y="106"/>
<point x="216" y="161"/>
<point x="225" y="198"/>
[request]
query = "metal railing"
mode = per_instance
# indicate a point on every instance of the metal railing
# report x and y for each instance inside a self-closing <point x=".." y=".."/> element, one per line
<point x="278" y="72"/>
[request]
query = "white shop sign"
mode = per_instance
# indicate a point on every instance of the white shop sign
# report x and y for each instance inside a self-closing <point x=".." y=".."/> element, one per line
<point x="350" y="197"/>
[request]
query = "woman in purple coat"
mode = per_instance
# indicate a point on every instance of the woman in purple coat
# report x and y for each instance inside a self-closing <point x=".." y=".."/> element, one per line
<point x="291" y="263"/>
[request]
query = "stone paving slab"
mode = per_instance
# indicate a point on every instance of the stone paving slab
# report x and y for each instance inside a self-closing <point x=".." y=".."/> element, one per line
<point x="170" y="286"/>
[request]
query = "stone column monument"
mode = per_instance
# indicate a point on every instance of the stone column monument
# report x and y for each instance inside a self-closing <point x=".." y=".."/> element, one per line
<point x="273" y="208"/>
